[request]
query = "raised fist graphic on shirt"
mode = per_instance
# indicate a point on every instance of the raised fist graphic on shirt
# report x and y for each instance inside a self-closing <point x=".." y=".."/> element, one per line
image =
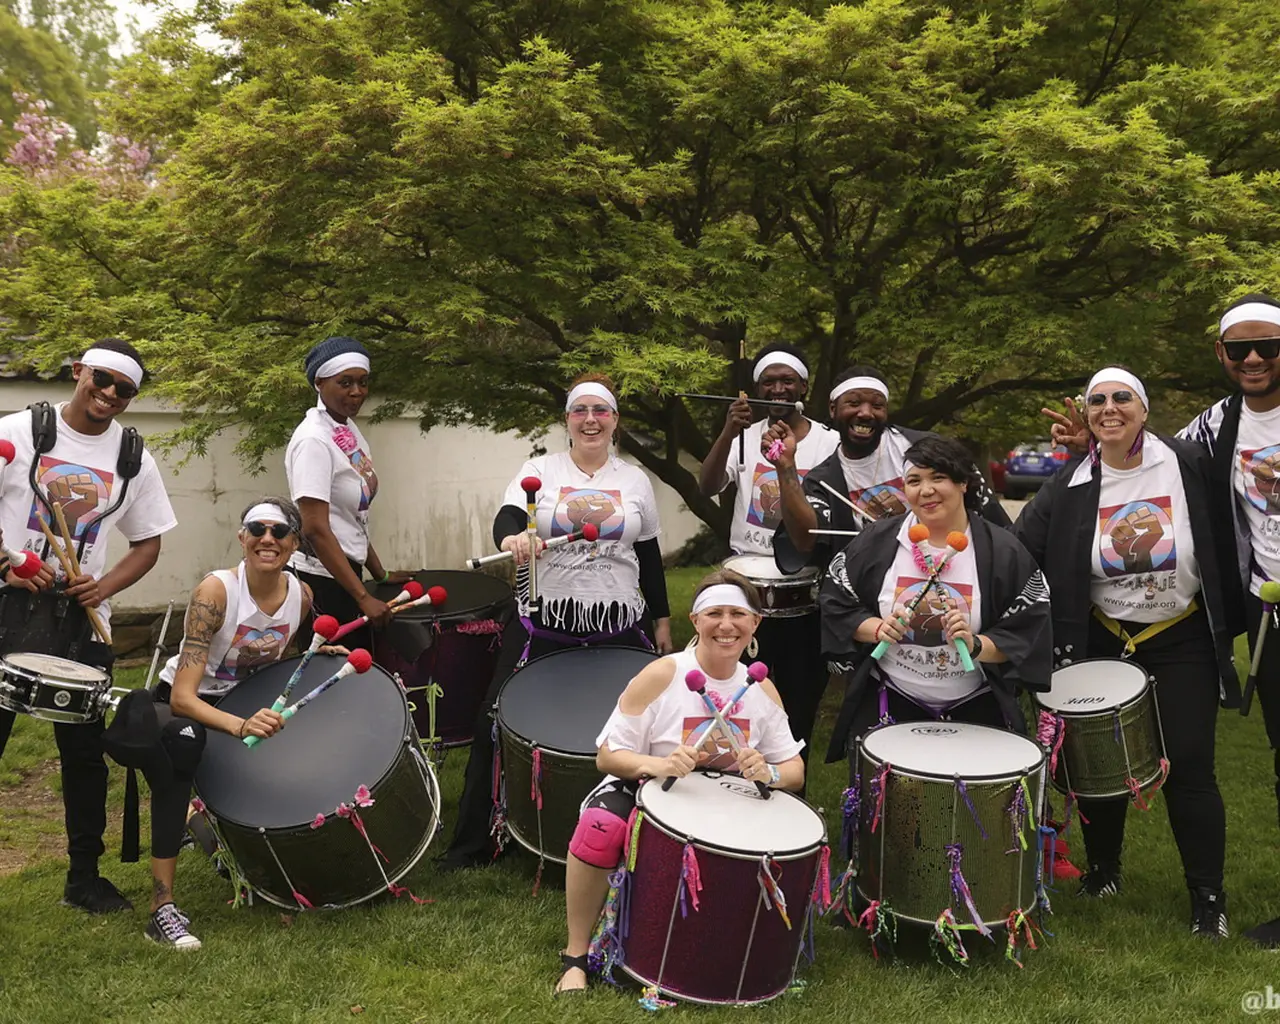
<point x="1134" y="536"/>
<point x="1266" y="477"/>
<point x="589" y="508"/>
<point x="927" y="624"/>
<point x="884" y="503"/>
<point x="78" y="494"/>
<point x="771" y="502"/>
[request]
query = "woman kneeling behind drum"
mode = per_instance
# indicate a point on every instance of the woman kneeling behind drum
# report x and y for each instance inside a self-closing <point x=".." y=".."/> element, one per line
<point x="648" y="737"/>
<point x="238" y="620"/>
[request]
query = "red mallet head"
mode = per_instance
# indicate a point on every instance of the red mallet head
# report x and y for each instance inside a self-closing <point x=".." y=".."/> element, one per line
<point x="590" y="531"/>
<point x="438" y="595"/>
<point x="957" y="541"/>
<point x="695" y="680"/>
<point x="26" y="563"/>
<point x="758" y="670"/>
<point x="7" y="451"/>
<point x="918" y="533"/>
<point x="414" y="589"/>
<point x="360" y="660"/>
<point x="531" y="485"/>
<point x="325" y="626"/>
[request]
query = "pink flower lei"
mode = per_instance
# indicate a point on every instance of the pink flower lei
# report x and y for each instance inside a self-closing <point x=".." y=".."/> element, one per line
<point x="345" y="438"/>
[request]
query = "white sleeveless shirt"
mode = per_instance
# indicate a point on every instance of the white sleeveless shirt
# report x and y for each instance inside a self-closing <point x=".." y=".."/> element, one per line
<point x="249" y="637"/>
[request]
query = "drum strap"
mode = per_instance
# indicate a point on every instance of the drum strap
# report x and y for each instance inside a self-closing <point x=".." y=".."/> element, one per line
<point x="1155" y="629"/>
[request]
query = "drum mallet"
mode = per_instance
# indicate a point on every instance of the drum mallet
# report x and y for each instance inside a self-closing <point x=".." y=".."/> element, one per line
<point x="797" y="406"/>
<point x="155" y="654"/>
<point x="589" y="532"/>
<point x="23" y="564"/>
<point x="918" y="535"/>
<point x="954" y="536"/>
<point x="434" y="595"/>
<point x="358" y="661"/>
<point x="697" y="682"/>
<point x="411" y="592"/>
<point x="322" y="632"/>
<point x="756" y="671"/>
<point x="531" y="485"/>
<point x="1269" y="593"/>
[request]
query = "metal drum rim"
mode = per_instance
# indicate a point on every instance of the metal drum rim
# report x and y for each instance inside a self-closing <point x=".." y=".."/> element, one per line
<point x="1106" y="709"/>
<point x="1004" y="776"/>
<point x="31" y="675"/>
<point x="664" y="990"/>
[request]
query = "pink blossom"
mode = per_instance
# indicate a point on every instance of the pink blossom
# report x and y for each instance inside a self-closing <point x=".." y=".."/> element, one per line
<point x="345" y="439"/>
<point x="344" y="810"/>
<point x="318" y="822"/>
<point x="363" y="797"/>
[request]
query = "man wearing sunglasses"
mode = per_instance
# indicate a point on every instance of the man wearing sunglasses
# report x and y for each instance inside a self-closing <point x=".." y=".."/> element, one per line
<point x="87" y="464"/>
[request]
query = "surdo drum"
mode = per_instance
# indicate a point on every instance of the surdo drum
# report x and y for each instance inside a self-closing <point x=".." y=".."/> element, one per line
<point x="53" y="689"/>
<point x="782" y="595"/>
<point x="335" y="808"/>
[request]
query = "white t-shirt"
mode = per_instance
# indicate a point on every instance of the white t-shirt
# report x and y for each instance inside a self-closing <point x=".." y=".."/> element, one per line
<point x="757" y="509"/>
<point x="875" y="482"/>
<point x="330" y="461"/>
<point x="1256" y="478"/>
<point x="924" y="666"/>
<point x="677" y="715"/>
<point x="1144" y="561"/>
<point x="80" y="471"/>
<point x="249" y="638"/>
<point x="577" y="582"/>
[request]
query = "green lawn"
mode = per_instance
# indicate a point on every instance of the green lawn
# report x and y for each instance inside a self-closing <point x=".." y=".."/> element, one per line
<point x="484" y="949"/>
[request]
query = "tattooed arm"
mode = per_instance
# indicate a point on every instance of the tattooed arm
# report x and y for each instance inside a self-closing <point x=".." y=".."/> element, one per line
<point x="204" y="619"/>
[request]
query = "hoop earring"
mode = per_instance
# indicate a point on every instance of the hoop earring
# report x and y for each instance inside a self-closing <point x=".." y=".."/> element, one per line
<point x="753" y="648"/>
<point x="693" y="642"/>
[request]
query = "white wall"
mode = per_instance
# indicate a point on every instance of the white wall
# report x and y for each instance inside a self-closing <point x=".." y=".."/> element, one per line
<point x="437" y="495"/>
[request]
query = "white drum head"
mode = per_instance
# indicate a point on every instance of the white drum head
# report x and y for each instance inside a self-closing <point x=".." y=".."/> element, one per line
<point x="1096" y="685"/>
<point x="46" y="666"/>
<point x="755" y="567"/>
<point x="947" y="749"/>
<point x="727" y="812"/>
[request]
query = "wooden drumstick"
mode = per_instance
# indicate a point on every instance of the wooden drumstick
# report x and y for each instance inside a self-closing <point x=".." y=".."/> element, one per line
<point x="70" y="570"/>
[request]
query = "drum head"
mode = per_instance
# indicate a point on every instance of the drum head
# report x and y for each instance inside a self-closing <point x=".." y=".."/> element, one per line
<point x="727" y="812"/>
<point x="46" y="666"/>
<point x="562" y="700"/>
<point x="948" y="749"/>
<point x="472" y="595"/>
<point x="755" y="567"/>
<point x="348" y="737"/>
<point x="1094" y="685"/>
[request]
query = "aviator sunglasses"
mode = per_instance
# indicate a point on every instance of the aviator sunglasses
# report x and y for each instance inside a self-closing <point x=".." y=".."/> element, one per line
<point x="1119" y="397"/>
<point x="278" y="530"/>
<point x="102" y="380"/>
<point x="1238" y="351"/>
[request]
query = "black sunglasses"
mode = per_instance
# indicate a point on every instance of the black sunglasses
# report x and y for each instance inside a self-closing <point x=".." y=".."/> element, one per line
<point x="278" y="530"/>
<point x="103" y="379"/>
<point x="1119" y="397"/>
<point x="1238" y="351"/>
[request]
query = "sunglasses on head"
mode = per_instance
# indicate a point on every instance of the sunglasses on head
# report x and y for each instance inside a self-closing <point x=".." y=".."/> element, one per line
<point x="1119" y="397"/>
<point x="1238" y="351"/>
<point x="103" y="379"/>
<point x="278" y="530"/>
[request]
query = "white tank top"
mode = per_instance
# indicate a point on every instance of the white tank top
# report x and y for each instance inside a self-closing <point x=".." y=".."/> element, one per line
<point x="249" y="637"/>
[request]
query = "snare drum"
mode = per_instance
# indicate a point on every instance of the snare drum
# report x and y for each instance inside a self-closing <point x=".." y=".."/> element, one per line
<point x="454" y="647"/>
<point x="926" y="788"/>
<point x="53" y="689"/>
<point x="292" y="812"/>
<point x="1110" y="734"/>
<point x="783" y="596"/>
<point x="727" y="942"/>
<point x="549" y="715"/>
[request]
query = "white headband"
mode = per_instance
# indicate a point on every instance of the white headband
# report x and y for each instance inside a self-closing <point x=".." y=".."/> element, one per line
<point x="345" y="361"/>
<point x="779" y="358"/>
<point x="1115" y="375"/>
<point x="1262" y="311"/>
<point x="855" y="383"/>
<point x="266" y="512"/>
<point x="105" y="359"/>
<point x="722" y="593"/>
<point x="590" y="389"/>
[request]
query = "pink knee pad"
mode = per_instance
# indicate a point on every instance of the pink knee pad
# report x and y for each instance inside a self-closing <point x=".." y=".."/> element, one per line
<point x="598" y="838"/>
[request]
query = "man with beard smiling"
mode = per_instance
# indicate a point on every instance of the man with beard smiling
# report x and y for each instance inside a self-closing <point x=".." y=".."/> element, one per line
<point x="103" y="478"/>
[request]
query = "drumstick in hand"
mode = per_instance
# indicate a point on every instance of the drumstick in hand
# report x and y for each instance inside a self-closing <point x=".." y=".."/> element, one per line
<point x="697" y="682"/>
<point x="322" y="631"/>
<point x="918" y="535"/>
<point x="411" y="592"/>
<point x="1269" y="592"/>
<point x="957" y="542"/>
<point x="589" y="532"/>
<point x="358" y="660"/>
<point x="435" y="595"/>
<point x="71" y="572"/>
<point x="756" y="671"/>
<point x="23" y="564"/>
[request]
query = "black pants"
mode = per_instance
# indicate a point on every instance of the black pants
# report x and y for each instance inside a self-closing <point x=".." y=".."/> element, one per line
<point x="472" y="843"/>
<point x="1182" y="662"/>
<point x="983" y="709"/>
<point x="1268" y="685"/>
<point x="792" y="648"/>
<point x="170" y="787"/>
<point x="329" y="597"/>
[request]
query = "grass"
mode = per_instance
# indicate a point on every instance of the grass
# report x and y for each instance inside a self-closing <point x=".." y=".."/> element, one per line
<point x="484" y="949"/>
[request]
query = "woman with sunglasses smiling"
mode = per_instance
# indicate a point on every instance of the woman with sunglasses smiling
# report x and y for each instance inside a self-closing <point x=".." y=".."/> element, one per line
<point x="331" y="477"/>
<point x="1126" y="537"/>
<point x="238" y="621"/>
<point x="610" y="591"/>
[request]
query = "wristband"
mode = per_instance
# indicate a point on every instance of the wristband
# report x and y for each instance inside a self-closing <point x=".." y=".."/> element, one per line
<point x="976" y="649"/>
<point x="386" y="577"/>
<point x="775" y="776"/>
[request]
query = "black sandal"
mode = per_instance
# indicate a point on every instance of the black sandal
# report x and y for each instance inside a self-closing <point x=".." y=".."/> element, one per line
<point x="568" y="963"/>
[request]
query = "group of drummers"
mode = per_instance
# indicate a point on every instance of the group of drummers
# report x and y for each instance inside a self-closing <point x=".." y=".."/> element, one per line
<point x="931" y="606"/>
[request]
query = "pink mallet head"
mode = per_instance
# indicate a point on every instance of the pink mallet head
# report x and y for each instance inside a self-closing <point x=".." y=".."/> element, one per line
<point x="414" y="589"/>
<point x="695" y="680"/>
<point x="590" y="532"/>
<point x="531" y="485"/>
<point x="758" y="670"/>
<point x="325" y="625"/>
<point x="360" y="659"/>
<point x="438" y="595"/>
<point x="7" y="451"/>
<point x="28" y="565"/>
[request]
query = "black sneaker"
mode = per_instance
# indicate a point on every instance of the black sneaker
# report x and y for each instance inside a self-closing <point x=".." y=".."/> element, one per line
<point x="1266" y="935"/>
<point x="95" y="895"/>
<point x="168" y="926"/>
<point x="1100" y="880"/>
<point x="1209" y="914"/>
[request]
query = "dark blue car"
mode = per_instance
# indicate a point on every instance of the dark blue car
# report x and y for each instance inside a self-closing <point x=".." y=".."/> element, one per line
<point x="1027" y="466"/>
